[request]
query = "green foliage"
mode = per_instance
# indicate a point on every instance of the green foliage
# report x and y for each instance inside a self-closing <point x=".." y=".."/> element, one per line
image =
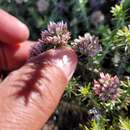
<point x="70" y="89"/>
<point x="124" y="124"/>
<point x="119" y="14"/>
<point x="117" y="11"/>
<point x="94" y="125"/>
<point x="85" y="90"/>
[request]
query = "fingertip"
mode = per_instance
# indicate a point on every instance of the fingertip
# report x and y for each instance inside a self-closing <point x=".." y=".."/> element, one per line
<point x="64" y="58"/>
<point x="12" y="31"/>
<point x="36" y="88"/>
<point x="23" y="34"/>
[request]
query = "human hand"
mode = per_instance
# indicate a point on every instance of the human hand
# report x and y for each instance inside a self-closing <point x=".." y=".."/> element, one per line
<point x="30" y="94"/>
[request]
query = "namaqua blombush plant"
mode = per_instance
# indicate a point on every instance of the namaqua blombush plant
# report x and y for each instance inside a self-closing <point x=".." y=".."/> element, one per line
<point x="104" y="95"/>
<point x="56" y="35"/>
<point x="107" y="87"/>
<point x="87" y="45"/>
<point x="103" y="62"/>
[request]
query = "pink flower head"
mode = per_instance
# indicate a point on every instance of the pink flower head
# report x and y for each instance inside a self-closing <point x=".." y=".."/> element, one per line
<point x="87" y="45"/>
<point x="56" y="33"/>
<point x="107" y="87"/>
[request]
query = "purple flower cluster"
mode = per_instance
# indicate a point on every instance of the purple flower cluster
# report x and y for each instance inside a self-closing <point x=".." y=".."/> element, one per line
<point x="95" y="113"/>
<point x="118" y="1"/>
<point x="87" y="45"/>
<point x="97" y="18"/>
<point x="107" y="87"/>
<point x="56" y="33"/>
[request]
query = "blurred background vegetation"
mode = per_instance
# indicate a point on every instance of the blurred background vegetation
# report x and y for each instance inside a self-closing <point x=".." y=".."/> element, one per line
<point x="77" y="13"/>
<point x="109" y="20"/>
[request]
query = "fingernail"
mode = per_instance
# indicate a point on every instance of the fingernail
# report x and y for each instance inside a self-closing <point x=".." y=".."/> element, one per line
<point x="65" y="59"/>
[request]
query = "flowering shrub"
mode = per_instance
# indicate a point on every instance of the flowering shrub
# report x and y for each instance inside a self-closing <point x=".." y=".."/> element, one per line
<point x="107" y="87"/>
<point x="56" y="34"/>
<point x="98" y="95"/>
<point x="87" y="45"/>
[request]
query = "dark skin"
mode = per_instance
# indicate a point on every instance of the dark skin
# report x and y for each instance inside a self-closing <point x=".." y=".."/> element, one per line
<point x="31" y="92"/>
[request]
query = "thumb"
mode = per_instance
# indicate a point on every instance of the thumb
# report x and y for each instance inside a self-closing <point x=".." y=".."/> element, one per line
<point x="32" y="93"/>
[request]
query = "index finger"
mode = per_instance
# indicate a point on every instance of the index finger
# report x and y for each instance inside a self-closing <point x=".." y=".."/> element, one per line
<point x="12" y="31"/>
